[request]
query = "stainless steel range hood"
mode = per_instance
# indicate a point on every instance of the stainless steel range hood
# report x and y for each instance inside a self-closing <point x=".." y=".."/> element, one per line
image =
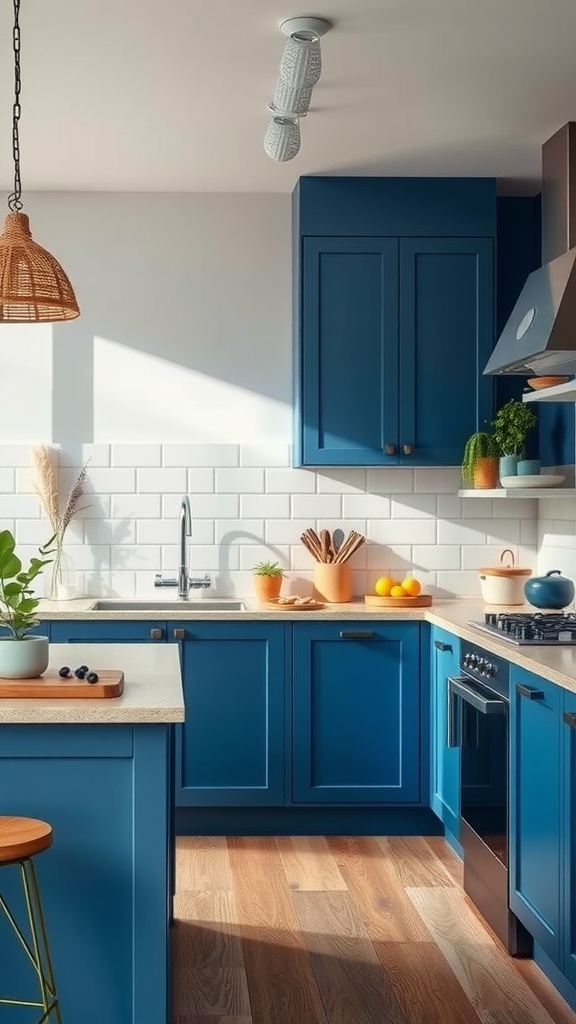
<point x="540" y="336"/>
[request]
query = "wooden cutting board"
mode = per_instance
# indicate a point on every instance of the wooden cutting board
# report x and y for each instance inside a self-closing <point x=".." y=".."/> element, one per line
<point x="422" y="601"/>
<point x="50" y="685"/>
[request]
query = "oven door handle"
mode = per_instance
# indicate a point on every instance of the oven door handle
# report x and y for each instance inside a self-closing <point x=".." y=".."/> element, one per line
<point x="461" y="687"/>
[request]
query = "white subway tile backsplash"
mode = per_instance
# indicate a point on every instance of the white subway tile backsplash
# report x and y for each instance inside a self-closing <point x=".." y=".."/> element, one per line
<point x="140" y="557"/>
<point x="239" y="481"/>
<point x="264" y="553"/>
<point x="503" y="531"/>
<point x="417" y="506"/>
<point x="390" y="481"/>
<point x="77" y="455"/>
<point x="473" y="531"/>
<point x="290" y="481"/>
<point x="97" y="506"/>
<point x="285" y="531"/>
<point x="19" y="506"/>
<point x="265" y="455"/>
<point x="13" y="455"/>
<point x="365" y="506"/>
<point x="449" y="506"/>
<point x="407" y="531"/>
<point x="39" y="531"/>
<point x="216" y="506"/>
<point x="437" y="481"/>
<point x="24" y="481"/>
<point x="136" y="506"/>
<point x="209" y="455"/>
<point x="136" y="455"/>
<point x="265" y="506"/>
<point x="316" y="507"/>
<point x="156" y="531"/>
<point x="459" y="584"/>
<point x="163" y="481"/>
<point x="429" y="557"/>
<point x="515" y="508"/>
<point x="110" y="531"/>
<point x="200" y="481"/>
<point x="7" y="481"/>
<point x="341" y="481"/>
<point x="244" y="531"/>
<point x="109" y="481"/>
<point x="485" y="555"/>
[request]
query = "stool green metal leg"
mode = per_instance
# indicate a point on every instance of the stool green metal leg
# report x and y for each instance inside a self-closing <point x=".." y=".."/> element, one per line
<point x="37" y="950"/>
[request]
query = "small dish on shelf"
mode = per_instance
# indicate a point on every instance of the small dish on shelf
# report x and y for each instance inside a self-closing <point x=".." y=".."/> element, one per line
<point x="294" y="604"/>
<point x="541" y="480"/>
<point x="545" y="382"/>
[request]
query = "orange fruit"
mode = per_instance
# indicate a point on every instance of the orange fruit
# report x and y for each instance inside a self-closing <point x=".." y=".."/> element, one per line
<point x="411" y="586"/>
<point x="383" y="586"/>
<point x="398" y="591"/>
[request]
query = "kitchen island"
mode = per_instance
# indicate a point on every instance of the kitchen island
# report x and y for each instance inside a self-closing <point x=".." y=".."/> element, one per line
<point x="98" y="772"/>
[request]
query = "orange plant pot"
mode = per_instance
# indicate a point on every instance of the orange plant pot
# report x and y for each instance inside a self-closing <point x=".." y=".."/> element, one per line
<point x="332" y="582"/>
<point x="486" y="474"/>
<point x="267" y="587"/>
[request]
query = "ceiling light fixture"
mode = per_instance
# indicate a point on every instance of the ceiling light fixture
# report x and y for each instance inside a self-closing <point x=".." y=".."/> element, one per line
<point x="299" y="71"/>
<point x="33" y="286"/>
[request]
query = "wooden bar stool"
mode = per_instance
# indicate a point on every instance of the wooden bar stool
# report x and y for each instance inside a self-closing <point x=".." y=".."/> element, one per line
<point x="20" y="839"/>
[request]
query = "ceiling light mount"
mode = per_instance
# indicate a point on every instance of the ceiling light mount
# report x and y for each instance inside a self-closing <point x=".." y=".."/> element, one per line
<point x="305" y="28"/>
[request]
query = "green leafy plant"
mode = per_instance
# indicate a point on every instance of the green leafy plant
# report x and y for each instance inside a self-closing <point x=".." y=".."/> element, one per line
<point x="268" y="569"/>
<point x="17" y="606"/>
<point x="511" y="426"/>
<point x="482" y="445"/>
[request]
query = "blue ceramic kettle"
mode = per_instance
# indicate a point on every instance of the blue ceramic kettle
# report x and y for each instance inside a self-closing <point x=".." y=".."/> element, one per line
<point x="550" y="591"/>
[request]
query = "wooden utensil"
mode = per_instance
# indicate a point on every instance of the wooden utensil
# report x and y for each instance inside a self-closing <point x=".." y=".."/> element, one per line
<point x="351" y="544"/>
<point x="326" y="546"/>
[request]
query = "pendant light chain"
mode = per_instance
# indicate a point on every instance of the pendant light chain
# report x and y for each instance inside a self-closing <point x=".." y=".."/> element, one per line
<point x="14" y="201"/>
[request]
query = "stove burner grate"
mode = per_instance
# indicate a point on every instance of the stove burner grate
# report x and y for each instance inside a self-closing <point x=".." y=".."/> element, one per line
<point x="546" y="627"/>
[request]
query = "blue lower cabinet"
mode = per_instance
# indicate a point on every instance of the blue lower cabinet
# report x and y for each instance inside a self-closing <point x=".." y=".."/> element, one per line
<point x="445" y="760"/>
<point x="536" y="808"/>
<point x="568" y="902"/>
<point x="230" y="751"/>
<point x="356" y="713"/>
<point x="103" y="882"/>
<point x="107" y="632"/>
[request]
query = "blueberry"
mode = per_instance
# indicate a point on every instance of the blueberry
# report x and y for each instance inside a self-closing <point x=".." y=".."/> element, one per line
<point x="92" y="677"/>
<point x="80" y="673"/>
<point x="64" y="672"/>
<point x="84" y="668"/>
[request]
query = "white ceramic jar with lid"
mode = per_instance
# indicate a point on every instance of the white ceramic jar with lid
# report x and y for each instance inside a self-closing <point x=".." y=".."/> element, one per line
<point x="503" y="584"/>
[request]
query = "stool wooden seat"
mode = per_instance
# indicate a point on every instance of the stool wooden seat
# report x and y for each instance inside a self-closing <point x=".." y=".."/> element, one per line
<point x="20" y="840"/>
<point x="23" y="837"/>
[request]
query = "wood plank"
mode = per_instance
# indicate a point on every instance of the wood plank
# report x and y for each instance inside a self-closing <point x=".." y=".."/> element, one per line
<point x="308" y="863"/>
<point x="414" y="862"/>
<point x="281" y="981"/>
<point x="387" y="912"/>
<point x="488" y="977"/>
<point x="194" y="1019"/>
<point x="205" y="931"/>
<point x="425" y="984"/>
<point x="444" y="852"/>
<point x="210" y="990"/>
<point x="352" y="983"/>
<point x="202" y="863"/>
<point x="545" y="992"/>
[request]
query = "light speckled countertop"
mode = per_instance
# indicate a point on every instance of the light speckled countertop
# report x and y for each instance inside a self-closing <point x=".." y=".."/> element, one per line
<point x="152" y="688"/>
<point x="558" y="664"/>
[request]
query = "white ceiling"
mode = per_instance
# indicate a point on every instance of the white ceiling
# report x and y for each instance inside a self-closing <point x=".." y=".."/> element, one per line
<point x="172" y="94"/>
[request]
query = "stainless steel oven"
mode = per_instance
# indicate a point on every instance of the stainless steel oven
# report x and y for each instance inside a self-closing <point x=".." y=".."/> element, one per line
<point x="478" y="705"/>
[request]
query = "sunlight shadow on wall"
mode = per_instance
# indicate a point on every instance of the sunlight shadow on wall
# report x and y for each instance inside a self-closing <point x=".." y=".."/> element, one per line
<point x="26" y="373"/>
<point x="142" y="397"/>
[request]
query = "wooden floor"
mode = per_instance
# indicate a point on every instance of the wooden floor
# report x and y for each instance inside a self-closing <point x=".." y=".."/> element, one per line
<point x="340" y="931"/>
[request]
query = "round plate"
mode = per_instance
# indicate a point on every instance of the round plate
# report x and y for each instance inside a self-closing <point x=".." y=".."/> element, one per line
<point x="280" y="605"/>
<point x="421" y="601"/>
<point x="545" y="382"/>
<point x="543" y="480"/>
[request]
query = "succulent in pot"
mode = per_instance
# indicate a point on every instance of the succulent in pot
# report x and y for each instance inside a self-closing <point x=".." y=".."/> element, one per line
<point x="550" y="591"/>
<point x="268" y="578"/>
<point x="480" y="460"/>
<point x="22" y="655"/>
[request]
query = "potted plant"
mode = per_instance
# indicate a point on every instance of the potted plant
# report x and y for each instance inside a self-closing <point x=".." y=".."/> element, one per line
<point x="511" y="426"/>
<point x="268" y="578"/>
<point x="480" y="460"/>
<point x="22" y="656"/>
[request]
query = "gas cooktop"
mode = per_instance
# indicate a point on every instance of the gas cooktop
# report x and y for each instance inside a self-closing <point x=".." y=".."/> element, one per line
<point x="535" y="629"/>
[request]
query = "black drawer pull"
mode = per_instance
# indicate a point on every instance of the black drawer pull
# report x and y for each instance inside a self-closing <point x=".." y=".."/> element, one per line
<point x="178" y="634"/>
<point x="528" y="691"/>
<point x="356" y="634"/>
<point x="570" y="719"/>
<point x="442" y="647"/>
<point x="156" y="634"/>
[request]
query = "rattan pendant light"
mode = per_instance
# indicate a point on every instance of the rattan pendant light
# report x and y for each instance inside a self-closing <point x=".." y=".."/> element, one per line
<point x="33" y="286"/>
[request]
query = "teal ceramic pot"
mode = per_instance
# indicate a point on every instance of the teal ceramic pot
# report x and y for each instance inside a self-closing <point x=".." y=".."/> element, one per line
<point x="529" y="467"/>
<point x="550" y="591"/>
<point x="508" y="465"/>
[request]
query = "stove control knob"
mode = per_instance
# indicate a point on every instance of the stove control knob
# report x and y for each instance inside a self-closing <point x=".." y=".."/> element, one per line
<point x="481" y="667"/>
<point x="490" y="670"/>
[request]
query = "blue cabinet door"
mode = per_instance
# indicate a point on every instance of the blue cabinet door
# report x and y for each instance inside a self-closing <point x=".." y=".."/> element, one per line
<point x="356" y="713"/>
<point x="535" y="807"/>
<point x="347" y="376"/>
<point x="445" y="760"/>
<point x="107" y="632"/>
<point x="230" y="750"/>
<point x="569" y="846"/>
<point x="446" y="336"/>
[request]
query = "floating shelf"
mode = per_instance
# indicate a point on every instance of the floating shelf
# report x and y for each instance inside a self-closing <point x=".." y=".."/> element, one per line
<point x="559" y="393"/>
<point x="519" y="492"/>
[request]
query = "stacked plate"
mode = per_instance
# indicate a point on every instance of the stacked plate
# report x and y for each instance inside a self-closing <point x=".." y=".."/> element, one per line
<point x="540" y="480"/>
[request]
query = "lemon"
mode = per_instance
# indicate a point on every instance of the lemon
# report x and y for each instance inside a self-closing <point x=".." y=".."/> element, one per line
<point x="383" y="586"/>
<point x="411" y="586"/>
<point x="398" y="591"/>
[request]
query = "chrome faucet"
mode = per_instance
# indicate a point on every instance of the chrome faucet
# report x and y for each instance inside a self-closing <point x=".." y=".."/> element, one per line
<point x="184" y="581"/>
<point x="185" y="531"/>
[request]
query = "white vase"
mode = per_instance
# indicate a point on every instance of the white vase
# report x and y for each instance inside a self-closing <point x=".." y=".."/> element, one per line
<point x="23" y="659"/>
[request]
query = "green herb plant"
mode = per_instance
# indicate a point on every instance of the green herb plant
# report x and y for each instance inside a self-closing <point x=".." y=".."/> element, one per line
<point x="511" y="426"/>
<point x="482" y="445"/>
<point x="268" y="569"/>
<point x="17" y="606"/>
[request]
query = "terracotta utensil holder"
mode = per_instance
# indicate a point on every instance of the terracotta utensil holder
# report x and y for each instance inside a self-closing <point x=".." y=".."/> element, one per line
<point x="332" y="582"/>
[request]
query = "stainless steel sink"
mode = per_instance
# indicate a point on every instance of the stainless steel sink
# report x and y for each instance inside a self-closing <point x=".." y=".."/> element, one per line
<point x="143" y="605"/>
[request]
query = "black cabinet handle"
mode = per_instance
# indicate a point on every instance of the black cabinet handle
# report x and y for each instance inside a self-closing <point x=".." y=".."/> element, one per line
<point x="178" y="634"/>
<point x="156" y="634"/>
<point x="530" y="692"/>
<point x="442" y="647"/>
<point x="570" y="719"/>
<point x="356" y="634"/>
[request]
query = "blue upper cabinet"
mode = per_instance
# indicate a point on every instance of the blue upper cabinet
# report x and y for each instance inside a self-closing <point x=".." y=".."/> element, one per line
<point x="356" y="713"/>
<point x="391" y="318"/>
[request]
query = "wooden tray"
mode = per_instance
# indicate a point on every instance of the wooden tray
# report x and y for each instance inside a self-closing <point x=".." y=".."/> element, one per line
<point x="50" y="685"/>
<point x="278" y="606"/>
<point x="422" y="601"/>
